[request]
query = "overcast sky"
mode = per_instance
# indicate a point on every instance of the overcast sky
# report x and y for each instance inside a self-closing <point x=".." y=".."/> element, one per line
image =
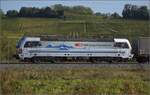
<point x="103" y="6"/>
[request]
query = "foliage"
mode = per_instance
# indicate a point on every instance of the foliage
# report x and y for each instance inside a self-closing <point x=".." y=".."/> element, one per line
<point x="57" y="11"/>
<point x="135" y="12"/>
<point x="82" y="10"/>
<point x="115" y="15"/>
<point x="76" y="81"/>
<point x="60" y="11"/>
<point x="37" y="12"/>
<point x="98" y="13"/>
<point x="12" y="13"/>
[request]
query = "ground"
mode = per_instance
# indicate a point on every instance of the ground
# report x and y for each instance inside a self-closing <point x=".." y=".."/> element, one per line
<point x="75" y="81"/>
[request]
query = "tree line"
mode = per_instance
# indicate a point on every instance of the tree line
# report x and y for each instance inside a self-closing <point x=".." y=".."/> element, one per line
<point x="82" y="10"/>
<point x="55" y="11"/>
<point x="114" y="15"/>
<point x="135" y="12"/>
<point x="36" y="12"/>
<point x="129" y="12"/>
<point x="58" y="11"/>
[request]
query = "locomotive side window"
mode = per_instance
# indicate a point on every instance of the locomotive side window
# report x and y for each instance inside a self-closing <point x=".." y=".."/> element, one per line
<point x="32" y="44"/>
<point x="121" y="45"/>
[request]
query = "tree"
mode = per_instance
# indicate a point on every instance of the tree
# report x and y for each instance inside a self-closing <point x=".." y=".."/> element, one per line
<point x="144" y="13"/>
<point x="57" y="11"/>
<point x="75" y="9"/>
<point x="28" y="12"/>
<point x="98" y="14"/>
<point x="127" y="11"/>
<point x="115" y="15"/>
<point x="49" y="12"/>
<point x="23" y="12"/>
<point x="82" y="10"/>
<point x="60" y="13"/>
<point x="58" y="7"/>
<point x="36" y="12"/>
<point x="135" y="12"/>
<point x="12" y="13"/>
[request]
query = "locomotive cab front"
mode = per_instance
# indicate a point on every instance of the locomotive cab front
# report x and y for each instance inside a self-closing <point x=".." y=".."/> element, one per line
<point x="124" y="48"/>
<point x="26" y="43"/>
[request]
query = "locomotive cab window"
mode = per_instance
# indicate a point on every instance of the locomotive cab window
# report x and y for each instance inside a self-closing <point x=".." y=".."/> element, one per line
<point x="32" y="44"/>
<point x="121" y="45"/>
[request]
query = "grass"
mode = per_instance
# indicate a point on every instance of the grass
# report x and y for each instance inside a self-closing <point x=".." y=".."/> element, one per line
<point x="20" y="26"/>
<point x="83" y="81"/>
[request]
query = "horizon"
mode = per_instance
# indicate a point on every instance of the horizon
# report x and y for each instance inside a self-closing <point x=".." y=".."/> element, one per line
<point x="97" y="6"/>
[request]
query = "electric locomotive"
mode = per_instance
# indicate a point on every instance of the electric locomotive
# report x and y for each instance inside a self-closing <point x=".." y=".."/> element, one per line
<point x="36" y="50"/>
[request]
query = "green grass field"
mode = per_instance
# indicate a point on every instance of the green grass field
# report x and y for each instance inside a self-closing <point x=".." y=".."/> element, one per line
<point x="84" y="81"/>
<point x="81" y="26"/>
<point x="21" y="26"/>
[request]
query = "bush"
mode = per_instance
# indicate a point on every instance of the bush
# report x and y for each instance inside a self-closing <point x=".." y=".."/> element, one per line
<point x="12" y="13"/>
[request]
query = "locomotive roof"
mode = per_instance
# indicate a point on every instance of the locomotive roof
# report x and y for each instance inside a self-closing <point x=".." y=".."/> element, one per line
<point x="120" y="40"/>
<point x="79" y="39"/>
<point x="60" y="38"/>
<point x="54" y="38"/>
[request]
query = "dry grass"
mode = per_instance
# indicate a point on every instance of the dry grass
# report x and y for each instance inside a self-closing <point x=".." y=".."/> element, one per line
<point x="95" y="81"/>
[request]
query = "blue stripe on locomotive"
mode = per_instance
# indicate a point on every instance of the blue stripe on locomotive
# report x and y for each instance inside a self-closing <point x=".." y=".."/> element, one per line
<point x="61" y="47"/>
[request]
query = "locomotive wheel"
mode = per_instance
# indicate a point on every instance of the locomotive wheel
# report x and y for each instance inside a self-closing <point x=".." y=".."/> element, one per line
<point x="26" y="60"/>
<point x="36" y="60"/>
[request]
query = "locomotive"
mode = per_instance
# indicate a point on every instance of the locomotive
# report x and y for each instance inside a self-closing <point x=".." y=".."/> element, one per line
<point x="36" y="49"/>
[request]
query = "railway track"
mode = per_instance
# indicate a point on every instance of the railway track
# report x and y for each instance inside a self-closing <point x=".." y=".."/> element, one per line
<point x="73" y="65"/>
<point x="69" y="62"/>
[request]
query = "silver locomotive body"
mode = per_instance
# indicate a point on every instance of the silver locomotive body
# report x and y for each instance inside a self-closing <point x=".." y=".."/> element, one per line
<point x="33" y="47"/>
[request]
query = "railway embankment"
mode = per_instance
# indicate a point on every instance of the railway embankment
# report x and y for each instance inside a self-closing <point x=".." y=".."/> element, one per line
<point x="144" y="66"/>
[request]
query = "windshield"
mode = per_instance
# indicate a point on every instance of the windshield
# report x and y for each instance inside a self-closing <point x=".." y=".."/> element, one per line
<point x="32" y="44"/>
<point x="121" y="45"/>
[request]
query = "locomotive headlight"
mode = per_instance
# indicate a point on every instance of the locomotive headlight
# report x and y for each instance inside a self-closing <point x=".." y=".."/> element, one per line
<point x="121" y="53"/>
